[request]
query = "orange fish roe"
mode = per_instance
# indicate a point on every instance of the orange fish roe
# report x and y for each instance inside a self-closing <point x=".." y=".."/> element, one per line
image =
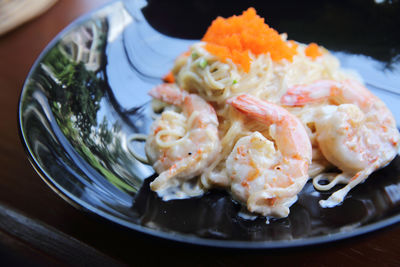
<point x="313" y="51"/>
<point x="236" y="36"/>
<point x="169" y="78"/>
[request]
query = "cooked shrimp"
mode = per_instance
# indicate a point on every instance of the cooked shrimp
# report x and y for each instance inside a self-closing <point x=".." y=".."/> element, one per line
<point x="358" y="134"/>
<point x="181" y="145"/>
<point x="268" y="175"/>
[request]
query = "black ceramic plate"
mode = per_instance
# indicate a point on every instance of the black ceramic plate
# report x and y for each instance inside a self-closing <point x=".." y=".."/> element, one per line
<point x="87" y="94"/>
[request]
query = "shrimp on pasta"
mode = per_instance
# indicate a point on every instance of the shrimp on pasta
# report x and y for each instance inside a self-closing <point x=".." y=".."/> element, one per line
<point x="268" y="179"/>
<point x="181" y="145"/>
<point x="355" y="131"/>
<point x="253" y="112"/>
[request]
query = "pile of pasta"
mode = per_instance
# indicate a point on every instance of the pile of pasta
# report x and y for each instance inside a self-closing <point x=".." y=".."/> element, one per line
<point x="243" y="55"/>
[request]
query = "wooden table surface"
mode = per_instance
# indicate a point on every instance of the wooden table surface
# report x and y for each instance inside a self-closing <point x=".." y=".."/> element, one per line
<point x="38" y="227"/>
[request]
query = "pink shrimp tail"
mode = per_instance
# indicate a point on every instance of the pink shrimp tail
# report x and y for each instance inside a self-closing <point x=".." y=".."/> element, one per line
<point x="347" y="91"/>
<point x="301" y="94"/>
<point x="168" y="93"/>
<point x="295" y="97"/>
<point x="258" y="109"/>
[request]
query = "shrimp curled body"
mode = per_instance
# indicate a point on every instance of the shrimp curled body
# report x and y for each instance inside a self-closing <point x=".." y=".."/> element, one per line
<point x="355" y="130"/>
<point x="268" y="175"/>
<point x="181" y="145"/>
